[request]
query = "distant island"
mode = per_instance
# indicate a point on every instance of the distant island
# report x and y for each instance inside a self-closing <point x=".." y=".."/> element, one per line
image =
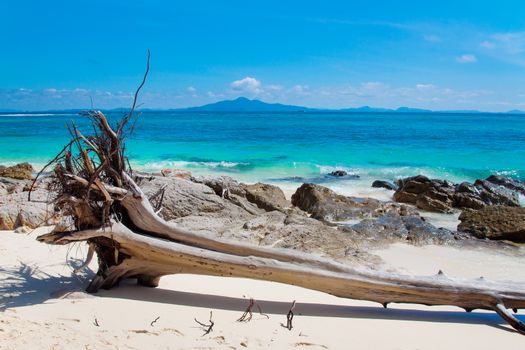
<point x="243" y="104"/>
<point x="246" y="105"/>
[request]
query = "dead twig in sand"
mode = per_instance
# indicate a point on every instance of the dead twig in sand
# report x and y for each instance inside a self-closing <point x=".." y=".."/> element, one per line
<point x="155" y="320"/>
<point x="289" y="317"/>
<point x="207" y="327"/>
<point x="247" y="315"/>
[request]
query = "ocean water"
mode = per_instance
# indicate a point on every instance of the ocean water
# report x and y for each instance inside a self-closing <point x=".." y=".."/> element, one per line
<point x="291" y="148"/>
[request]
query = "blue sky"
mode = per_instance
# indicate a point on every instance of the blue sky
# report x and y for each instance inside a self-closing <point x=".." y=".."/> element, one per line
<point x="427" y="54"/>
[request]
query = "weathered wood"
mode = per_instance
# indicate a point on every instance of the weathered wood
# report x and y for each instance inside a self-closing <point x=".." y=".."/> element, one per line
<point x="150" y="256"/>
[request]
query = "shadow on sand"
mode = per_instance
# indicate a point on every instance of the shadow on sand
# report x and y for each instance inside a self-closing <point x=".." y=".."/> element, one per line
<point x="25" y="285"/>
<point x="217" y="302"/>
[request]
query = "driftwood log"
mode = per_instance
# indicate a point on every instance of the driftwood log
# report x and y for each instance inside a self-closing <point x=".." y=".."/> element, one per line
<point x="98" y="192"/>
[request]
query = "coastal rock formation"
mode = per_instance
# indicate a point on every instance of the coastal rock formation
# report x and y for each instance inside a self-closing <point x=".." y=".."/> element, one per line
<point x="325" y="204"/>
<point x="16" y="210"/>
<point x="22" y="171"/>
<point x="339" y="173"/>
<point x="222" y="207"/>
<point x="495" y="222"/>
<point x="181" y="198"/>
<point x="426" y="194"/>
<point x="442" y="196"/>
<point x="409" y="228"/>
<point x="384" y="184"/>
<point x="267" y="197"/>
<point x="367" y="218"/>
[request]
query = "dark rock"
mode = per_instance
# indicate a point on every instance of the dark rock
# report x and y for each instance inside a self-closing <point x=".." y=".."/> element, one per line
<point x="384" y="184"/>
<point x="467" y="200"/>
<point x="426" y="194"/>
<point x="507" y="182"/>
<point x="495" y="222"/>
<point x="442" y="196"/>
<point x="325" y="204"/>
<point x="267" y="197"/>
<point x="494" y="194"/>
<point x="22" y="171"/>
<point x="339" y="173"/>
<point x="411" y="228"/>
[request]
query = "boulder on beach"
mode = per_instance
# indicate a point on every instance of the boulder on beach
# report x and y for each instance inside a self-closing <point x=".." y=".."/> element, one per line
<point x="495" y="222"/>
<point x="325" y="204"/>
<point x="442" y="196"/>
<point x="267" y="197"/>
<point x="368" y="218"/>
<point x="22" y="171"/>
<point x="339" y="173"/>
<point x="384" y="184"/>
<point x="16" y="210"/>
<point x="427" y="194"/>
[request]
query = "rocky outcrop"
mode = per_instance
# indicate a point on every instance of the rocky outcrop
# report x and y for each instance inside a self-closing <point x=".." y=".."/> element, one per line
<point x="367" y="218"/>
<point x="495" y="222"/>
<point x="442" y="196"/>
<point x="17" y="211"/>
<point x="22" y="171"/>
<point x="183" y="198"/>
<point x="267" y="197"/>
<point x="342" y="174"/>
<point x="426" y="194"/>
<point x="409" y="228"/>
<point x="339" y="173"/>
<point x="225" y="208"/>
<point x="384" y="184"/>
<point x="325" y="204"/>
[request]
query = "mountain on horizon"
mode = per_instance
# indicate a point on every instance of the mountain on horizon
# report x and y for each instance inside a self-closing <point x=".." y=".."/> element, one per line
<point x="243" y="104"/>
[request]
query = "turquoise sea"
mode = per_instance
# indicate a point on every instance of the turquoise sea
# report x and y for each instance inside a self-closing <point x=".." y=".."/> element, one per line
<point x="289" y="148"/>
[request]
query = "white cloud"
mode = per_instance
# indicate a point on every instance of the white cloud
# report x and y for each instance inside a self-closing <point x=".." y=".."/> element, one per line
<point x="248" y="85"/>
<point x="425" y="86"/>
<point x="466" y="58"/>
<point x="192" y="91"/>
<point x="300" y="89"/>
<point x="273" y="87"/>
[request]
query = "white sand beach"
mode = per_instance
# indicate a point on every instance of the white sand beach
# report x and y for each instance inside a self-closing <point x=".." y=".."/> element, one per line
<point x="44" y="307"/>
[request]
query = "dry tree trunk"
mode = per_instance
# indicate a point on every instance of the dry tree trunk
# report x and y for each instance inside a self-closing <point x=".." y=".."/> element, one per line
<point x="96" y="189"/>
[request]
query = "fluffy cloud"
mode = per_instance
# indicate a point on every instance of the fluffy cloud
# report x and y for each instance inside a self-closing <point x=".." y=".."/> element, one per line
<point x="248" y="85"/>
<point x="192" y="91"/>
<point x="466" y="58"/>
